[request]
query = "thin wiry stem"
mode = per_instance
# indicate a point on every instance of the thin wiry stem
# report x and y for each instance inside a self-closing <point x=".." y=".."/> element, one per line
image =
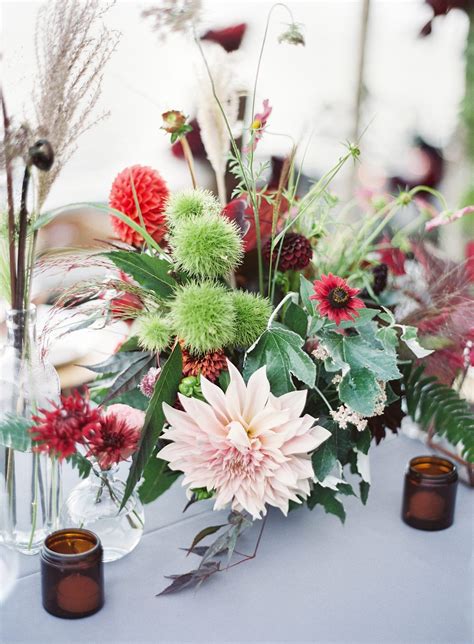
<point x="10" y="200"/>
<point x="248" y="185"/>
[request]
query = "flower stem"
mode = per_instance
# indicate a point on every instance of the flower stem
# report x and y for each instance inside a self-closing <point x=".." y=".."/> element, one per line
<point x="11" y="205"/>
<point x="188" y="155"/>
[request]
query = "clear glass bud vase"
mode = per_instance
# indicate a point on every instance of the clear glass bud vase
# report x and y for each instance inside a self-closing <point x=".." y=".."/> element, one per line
<point x="94" y="504"/>
<point x="31" y="482"/>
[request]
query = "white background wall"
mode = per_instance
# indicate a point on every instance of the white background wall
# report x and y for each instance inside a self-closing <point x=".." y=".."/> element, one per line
<point x="416" y="84"/>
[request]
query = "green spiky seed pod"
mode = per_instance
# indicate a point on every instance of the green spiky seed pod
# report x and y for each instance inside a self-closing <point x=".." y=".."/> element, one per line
<point x="153" y="332"/>
<point x="251" y="316"/>
<point x="207" y="247"/>
<point x="203" y="316"/>
<point x="188" y="204"/>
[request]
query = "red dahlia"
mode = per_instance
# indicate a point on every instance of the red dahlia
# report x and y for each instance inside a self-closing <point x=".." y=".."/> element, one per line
<point x="59" y="429"/>
<point x="296" y="253"/>
<point x="210" y="365"/>
<point x="336" y="298"/>
<point x="151" y="195"/>
<point x="112" y="440"/>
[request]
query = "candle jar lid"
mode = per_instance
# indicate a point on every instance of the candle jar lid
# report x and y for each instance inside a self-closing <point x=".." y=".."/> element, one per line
<point x="433" y="470"/>
<point x="71" y="545"/>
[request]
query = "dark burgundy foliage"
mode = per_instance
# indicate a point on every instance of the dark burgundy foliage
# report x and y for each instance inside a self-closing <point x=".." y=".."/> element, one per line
<point x="229" y="38"/>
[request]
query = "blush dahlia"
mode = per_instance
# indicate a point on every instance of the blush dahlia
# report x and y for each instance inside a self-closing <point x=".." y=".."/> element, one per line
<point x="336" y="299"/>
<point x="151" y="195"/>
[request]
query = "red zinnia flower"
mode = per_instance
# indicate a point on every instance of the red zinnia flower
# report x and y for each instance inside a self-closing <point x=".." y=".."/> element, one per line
<point x="151" y="194"/>
<point x="115" y="438"/>
<point x="58" y="429"/>
<point x="336" y="298"/>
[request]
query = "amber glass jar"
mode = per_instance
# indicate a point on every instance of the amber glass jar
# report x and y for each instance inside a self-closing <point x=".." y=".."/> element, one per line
<point x="430" y="493"/>
<point x="72" y="573"/>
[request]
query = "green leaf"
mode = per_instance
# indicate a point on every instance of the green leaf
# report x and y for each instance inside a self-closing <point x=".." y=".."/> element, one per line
<point x="430" y="403"/>
<point x="364" y="316"/>
<point x="359" y="389"/>
<point x="296" y="320"/>
<point x="150" y="272"/>
<point x="130" y="377"/>
<point x="410" y="337"/>
<point x="364" y="488"/>
<point x="81" y="463"/>
<point x="224" y="380"/>
<point x="157" y="478"/>
<point x="130" y="345"/>
<point x="346" y="489"/>
<point x="280" y="350"/>
<point x="306" y="290"/>
<point x="117" y="362"/>
<point x="48" y="217"/>
<point x="363" y="440"/>
<point x="327" y="498"/>
<point x="14" y="432"/>
<point x="205" y="532"/>
<point x="324" y="458"/>
<point x="165" y="391"/>
<point x="359" y="353"/>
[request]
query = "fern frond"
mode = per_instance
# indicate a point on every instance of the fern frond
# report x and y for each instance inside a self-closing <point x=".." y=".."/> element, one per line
<point x="431" y="403"/>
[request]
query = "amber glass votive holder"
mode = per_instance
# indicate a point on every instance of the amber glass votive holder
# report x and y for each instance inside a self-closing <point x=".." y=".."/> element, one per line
<point x="72" y="574"/>
<point x="429" y="495"/>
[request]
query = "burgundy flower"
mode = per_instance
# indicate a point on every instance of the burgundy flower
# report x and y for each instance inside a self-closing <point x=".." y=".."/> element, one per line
<point x="115" y="438"/>
<point x="296" y="253"/>
<point x="59" y="429"/>
<point x="336" y="298"/>
<point x="230" y="38"/>
<point x="393" y="257"/>
<point x="470" y="260"/>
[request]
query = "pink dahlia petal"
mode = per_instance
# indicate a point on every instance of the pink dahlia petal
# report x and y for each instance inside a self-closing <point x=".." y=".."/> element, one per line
<point x="252" y="451"/>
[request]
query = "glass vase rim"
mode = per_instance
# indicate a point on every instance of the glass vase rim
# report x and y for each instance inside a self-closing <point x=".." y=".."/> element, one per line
<point x="75" y="556"/>
<point x="450" y="474"/>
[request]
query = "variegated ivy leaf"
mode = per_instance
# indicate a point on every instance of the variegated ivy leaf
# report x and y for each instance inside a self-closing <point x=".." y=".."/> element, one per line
<point x="281" y="351"/>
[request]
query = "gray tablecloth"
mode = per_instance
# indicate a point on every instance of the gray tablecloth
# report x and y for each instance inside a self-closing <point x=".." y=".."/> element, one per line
<point x="372" y="580"/>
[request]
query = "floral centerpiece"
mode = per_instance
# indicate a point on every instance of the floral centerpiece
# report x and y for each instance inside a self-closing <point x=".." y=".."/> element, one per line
<point x="269" y="345"/>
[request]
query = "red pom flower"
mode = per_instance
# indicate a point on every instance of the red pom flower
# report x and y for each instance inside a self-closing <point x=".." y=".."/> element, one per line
<point x="151" y="193"/>
<point x="336" y="298"/>
<point x="58" y="429"/>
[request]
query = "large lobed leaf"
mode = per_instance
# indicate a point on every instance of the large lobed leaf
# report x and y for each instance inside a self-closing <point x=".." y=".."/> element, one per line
<point x="280" y="350"/>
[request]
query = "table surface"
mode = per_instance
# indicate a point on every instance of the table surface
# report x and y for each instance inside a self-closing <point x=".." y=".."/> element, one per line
<point x="313" y="580"/>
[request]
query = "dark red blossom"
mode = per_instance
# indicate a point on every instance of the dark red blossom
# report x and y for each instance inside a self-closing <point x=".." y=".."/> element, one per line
<point x="59" y="429"/>
<point x="336" y="298"/>
<point x="112" y="440"/>
<point x="393" y="257"/>
<point x="295" y="255"/>
<point x="229" y="38"/>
